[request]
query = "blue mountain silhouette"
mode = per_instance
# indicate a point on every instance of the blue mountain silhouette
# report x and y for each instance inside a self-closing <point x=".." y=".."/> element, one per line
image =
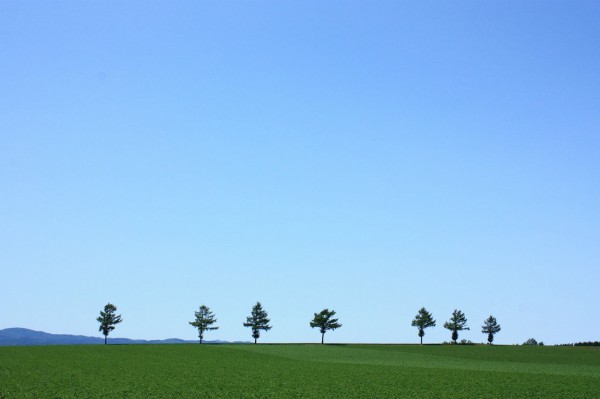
<point x="26" y="337"/>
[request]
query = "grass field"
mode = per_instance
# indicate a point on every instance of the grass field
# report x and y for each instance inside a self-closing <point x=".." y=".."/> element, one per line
<point x="300" y="371"/>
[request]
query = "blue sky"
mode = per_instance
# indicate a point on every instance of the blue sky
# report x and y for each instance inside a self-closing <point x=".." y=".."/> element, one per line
<point x="370" y="157"/>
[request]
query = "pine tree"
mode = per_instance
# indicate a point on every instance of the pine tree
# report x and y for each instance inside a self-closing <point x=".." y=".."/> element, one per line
<point x="457" y="322"/>
<point x="108" y="320"/>
<point x="258" y="320"/>
<point x="423" y="320"/>
<point x="490" y="327"/>
<point x="324" y="321"/>
<point x="204" y="320"/>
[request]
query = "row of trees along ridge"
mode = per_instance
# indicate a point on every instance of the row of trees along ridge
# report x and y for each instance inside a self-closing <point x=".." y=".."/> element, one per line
<point x="259" y="321"/>
<point x="457" y="322"/>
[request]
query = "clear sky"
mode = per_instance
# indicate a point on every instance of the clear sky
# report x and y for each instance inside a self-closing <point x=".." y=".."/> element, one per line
<point x="372" y="157"/>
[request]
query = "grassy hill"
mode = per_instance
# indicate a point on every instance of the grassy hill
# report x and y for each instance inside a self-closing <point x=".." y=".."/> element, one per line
<point x="301" y="371"/>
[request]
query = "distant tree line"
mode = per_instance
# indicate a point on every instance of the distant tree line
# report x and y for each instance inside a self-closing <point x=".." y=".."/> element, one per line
<point x="259" y="321"/>
<point x="587" y="343"/>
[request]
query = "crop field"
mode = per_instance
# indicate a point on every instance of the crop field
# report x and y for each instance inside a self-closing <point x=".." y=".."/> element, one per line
<point x="299" y="371"/>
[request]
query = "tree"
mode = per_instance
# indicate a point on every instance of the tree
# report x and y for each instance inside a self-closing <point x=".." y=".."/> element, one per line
<point x="490" y="327"/>
<point x="324" y="321"/>
<point x="531" y="341"/>
<point x="457" y="322"/>
<point x="108" y="320"/>
<point x="258" y="320"/>
<point x="204" y="320"/>
<point x="423" y="320"/>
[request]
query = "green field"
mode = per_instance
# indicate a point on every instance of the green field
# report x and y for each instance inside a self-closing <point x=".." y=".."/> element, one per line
<point x="301" y="371"/>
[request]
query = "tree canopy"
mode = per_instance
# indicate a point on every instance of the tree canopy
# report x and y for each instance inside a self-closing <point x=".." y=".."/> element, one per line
<point x="258" y="320"/>
<point x="531" y="341"/>
<point x="457" y="322"/>
<point x="204" y="321"/>
<point x="108" y="320"/>
<point x="423" y="320"/>
<point x="325" y="321"/>
<point x="490" y="327"/>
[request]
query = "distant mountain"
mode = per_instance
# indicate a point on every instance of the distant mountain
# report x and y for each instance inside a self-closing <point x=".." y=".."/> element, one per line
<point x="26" y="337"/>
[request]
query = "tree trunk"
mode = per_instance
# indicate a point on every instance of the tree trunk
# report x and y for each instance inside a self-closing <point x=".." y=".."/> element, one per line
<point x="255" y="340"/>
<point x="322" y="338"/>
<point x="421" y="340"/>
<point x="105" y="337"/>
